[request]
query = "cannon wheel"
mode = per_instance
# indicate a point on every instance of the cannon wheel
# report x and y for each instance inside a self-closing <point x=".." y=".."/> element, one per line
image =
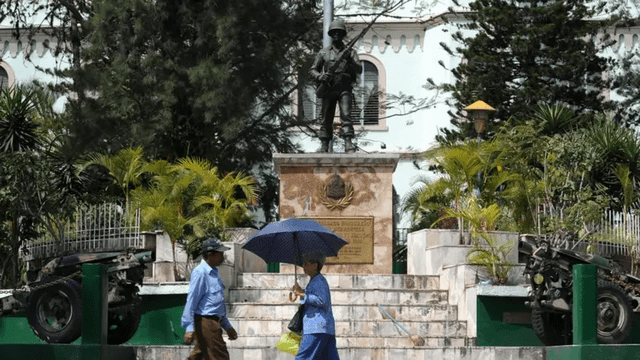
<point x="552" y="328"/>
<point x="614" y="314"/>
<point x="123" y="322"/>
<point x="55" y="312"/>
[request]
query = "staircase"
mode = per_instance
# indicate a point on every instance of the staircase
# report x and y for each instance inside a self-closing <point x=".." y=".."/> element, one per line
<point x="260" y="311"/>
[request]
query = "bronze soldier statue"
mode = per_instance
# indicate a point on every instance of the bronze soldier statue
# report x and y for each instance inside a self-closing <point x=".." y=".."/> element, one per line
<point x="335" y="69"/>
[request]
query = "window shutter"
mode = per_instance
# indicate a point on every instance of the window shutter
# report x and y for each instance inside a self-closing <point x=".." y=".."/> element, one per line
<point x="366" y="96"/>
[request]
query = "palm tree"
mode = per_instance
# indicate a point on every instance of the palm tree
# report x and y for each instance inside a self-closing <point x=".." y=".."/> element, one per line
<point x="425" y="202"/>
<point x="190" y="200"/>
<point x="459" y="165"/>
<point x="125" y="168"/>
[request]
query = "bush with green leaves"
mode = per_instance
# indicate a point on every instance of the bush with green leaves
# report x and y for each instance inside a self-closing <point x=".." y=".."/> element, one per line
<point x="188" y="199"/>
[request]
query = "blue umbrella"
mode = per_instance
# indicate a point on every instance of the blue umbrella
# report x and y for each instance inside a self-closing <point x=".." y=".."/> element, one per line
<point x="286" y="241"/>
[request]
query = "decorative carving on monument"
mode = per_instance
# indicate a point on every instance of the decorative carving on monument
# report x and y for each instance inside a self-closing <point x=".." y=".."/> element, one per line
<point x="336" y="189"/>
<point x="337" y="195"/>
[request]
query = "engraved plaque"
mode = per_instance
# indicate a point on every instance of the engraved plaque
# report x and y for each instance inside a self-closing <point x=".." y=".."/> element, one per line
<point x="516" y="317"/>
<point x="358" y="231"/>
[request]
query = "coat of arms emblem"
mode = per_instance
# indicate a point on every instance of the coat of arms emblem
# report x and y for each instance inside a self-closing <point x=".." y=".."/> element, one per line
<point x="336" y="195"/>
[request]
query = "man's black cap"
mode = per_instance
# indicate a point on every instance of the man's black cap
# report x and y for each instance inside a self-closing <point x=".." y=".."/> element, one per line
<point x="213" y="244"/>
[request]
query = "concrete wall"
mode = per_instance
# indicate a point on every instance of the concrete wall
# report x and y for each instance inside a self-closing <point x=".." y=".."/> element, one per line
<point x="429" y="250"/>
<point x="438" y="252"/>
<point x="172" y="266"/>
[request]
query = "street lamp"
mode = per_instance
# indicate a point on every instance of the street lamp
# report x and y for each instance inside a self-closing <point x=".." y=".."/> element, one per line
<point x="479" y="113"/>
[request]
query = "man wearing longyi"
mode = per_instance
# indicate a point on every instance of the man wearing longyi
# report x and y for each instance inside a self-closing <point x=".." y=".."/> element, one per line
<point x="205" y="314"/>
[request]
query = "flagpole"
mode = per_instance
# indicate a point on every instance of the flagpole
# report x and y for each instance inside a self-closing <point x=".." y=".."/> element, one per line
<point x="328" y="18"/>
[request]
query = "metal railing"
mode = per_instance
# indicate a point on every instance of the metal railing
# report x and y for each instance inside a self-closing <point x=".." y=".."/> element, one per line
<point x="617" y="234"/>
<point x="400" y="237"/>
<point x="95" y="228"/>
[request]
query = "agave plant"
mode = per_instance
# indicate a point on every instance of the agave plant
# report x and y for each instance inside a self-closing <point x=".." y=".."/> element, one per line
<point x="18" y="130"/>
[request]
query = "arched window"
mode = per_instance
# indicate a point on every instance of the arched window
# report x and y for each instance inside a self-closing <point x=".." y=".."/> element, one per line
<point x="4" y="78"/>
<point x="311" y="104"/>
<point x="366" y="96"/>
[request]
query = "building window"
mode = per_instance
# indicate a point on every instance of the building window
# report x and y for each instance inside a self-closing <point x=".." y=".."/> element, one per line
<point x="4" y="78"/>
<point x="311" y="104"/>
<point x="366" y="96"/>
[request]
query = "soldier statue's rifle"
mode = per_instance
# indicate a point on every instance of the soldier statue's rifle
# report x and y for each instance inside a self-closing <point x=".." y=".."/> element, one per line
<point x="339" y="65"/>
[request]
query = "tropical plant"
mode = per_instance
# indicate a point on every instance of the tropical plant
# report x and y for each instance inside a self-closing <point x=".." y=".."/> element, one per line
<point x="18" y="130"/>
<point x="486" y="251"/>
<point x="425" y="203"/>
<point x="125" y="167"/>
<point x="468" y="169"/>
<point x="190" y="200"/>
<point x="459" y="164"/>
<point x="610" y="144"/>
<point x="629" y="195"/>
<point x="38" y="182"/>
<point x="556" y="171"/>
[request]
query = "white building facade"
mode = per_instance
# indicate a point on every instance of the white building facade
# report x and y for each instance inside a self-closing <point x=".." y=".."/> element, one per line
<point x="399" y="54"/>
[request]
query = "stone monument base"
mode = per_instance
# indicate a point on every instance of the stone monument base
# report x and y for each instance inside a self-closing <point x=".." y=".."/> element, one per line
<point x="351" y="194"/>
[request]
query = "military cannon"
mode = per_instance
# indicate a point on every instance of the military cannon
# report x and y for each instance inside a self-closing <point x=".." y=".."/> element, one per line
<point x="549" y="273"/>
<point x="52" y="298"/>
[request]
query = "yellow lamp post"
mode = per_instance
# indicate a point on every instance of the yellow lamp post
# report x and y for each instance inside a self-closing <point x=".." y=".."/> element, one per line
<point x="479" y="113"/>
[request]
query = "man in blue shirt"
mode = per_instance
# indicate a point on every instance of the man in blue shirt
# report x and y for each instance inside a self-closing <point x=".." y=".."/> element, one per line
<point x="205" y="314"/>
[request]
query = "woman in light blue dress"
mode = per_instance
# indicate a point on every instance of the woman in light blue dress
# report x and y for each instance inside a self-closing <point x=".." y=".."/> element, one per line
<point x="318" y="325"/>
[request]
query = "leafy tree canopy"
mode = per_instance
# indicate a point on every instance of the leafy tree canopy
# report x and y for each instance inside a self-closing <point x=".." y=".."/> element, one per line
<point x="525" y="53"/>
<point x="543" y="174"/>
<point x="207" y="79"/>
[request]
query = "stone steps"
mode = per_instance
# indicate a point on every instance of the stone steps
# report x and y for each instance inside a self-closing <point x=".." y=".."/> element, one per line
<point x="359" y="328"/>
<point x="350" y="342"/>
<point x="260" y="310"/>
<point x="344" y="312"/>
<point x="344" y="296"/>
<point x="158" y="352"/>
<point x="341" y="281"/>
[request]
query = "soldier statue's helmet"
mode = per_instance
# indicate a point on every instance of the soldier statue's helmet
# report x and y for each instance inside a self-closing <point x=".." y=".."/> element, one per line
<point x="337" y="25"/>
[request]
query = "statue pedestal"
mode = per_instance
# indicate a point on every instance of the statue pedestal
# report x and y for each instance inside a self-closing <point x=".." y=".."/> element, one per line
<point x="352" y="194"/>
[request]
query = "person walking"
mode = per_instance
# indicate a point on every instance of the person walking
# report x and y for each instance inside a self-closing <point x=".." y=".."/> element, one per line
<point x="205" y="314"/>
<point x="335" y="69"/>
<point x="318" y="325"/>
